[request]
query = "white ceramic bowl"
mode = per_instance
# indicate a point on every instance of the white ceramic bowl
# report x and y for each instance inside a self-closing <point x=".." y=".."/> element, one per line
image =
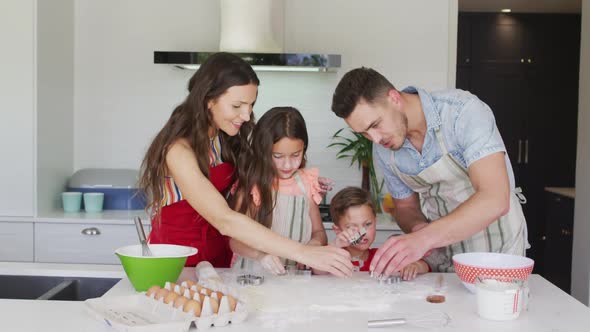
<point x="472" y="264"/>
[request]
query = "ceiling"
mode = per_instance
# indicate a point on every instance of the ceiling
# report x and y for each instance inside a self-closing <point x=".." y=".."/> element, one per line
<point x="522" y="6"/>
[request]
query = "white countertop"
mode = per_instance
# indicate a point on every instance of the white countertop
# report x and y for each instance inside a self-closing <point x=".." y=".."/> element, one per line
<point x="564" y="191"/>
<point x="323" y="303"/>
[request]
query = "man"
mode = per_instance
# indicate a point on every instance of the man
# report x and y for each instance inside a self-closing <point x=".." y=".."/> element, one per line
<point x="445" y="165"/>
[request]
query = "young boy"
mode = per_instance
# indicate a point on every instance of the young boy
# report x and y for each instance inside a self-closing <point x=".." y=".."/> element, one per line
<point x="352" y="210"/>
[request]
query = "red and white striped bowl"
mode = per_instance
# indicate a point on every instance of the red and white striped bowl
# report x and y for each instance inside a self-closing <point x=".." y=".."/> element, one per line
<point x="472" y="264"/>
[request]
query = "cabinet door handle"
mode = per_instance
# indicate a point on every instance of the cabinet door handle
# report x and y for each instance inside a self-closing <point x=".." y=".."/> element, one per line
<point x="543" y="238"/>
<point x="467" y="60"/>
<point x="526" y="151"/>
<point x="519" y="160"/>
<point x="521" y="60"/>
<point x="91" y="231"/>
<point x="529" y="60"/>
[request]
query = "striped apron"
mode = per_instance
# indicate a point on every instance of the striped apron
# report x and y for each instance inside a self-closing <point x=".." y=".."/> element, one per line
<point x="290" y="218"/>
<point x="444" y="186"/>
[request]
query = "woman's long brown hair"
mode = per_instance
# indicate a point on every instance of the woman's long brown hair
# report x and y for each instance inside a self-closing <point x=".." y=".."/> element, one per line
<point x="259" y="171"/>
<point x="191" y="121"/>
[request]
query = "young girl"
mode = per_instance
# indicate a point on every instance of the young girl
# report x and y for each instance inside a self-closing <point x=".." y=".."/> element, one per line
<point x="275" y="188"/>
<point x="190" y="163"/>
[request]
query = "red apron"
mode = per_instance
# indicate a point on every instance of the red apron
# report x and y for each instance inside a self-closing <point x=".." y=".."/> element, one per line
<point x="181" y="224"/>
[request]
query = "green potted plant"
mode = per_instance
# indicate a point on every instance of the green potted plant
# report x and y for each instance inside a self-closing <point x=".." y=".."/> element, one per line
<point x="360" y="150"/>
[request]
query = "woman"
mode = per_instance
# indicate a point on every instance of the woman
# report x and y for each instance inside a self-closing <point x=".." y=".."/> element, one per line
<point x="190" y="164"/>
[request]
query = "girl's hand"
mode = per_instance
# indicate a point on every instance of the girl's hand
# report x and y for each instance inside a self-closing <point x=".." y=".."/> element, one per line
<point x="344" y="238"/>
<point x="334" y="260"/>
<point x="272" y="264"/>
<point x="325" y="185"/>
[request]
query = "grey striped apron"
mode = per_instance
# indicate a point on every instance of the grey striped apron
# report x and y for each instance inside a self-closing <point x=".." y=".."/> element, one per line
<point x="290" y="218"/>
<point x="444" y="186"/>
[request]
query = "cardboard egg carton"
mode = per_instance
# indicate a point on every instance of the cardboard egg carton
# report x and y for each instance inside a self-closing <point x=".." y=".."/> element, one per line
<point x="166" y="308"/>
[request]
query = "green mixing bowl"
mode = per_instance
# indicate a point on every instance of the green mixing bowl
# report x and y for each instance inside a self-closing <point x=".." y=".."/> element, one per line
<point x="145" y="271"/>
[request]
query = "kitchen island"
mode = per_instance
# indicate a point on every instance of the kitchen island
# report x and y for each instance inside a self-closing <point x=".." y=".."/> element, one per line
<point x="318" y="303"/>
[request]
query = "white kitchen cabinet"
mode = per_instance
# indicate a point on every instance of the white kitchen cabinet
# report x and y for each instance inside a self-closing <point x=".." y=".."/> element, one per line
<point x="17" y="107"/>
<point x="82" y="243"/>
<point x="16" y="241"/>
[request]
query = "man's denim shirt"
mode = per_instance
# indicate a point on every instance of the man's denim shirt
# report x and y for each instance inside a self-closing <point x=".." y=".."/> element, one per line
<point x="468" y="129"/>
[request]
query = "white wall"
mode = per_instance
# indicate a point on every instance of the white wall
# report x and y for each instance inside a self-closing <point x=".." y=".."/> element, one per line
<point x="581" y="247"/>
<point x="55" y="104"/>
<point x="17" y="107"/>
<point x="122" y="98"/>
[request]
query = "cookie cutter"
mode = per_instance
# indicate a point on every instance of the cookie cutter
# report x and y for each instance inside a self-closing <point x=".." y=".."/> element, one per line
<point x="293" y="270"/>
<point x="358" y="238"/>
<point x="249" y="279"/>
<point x="385" y="280"/>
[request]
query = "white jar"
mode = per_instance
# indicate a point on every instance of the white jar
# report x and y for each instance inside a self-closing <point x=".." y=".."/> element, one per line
<point x="500" y="298"/>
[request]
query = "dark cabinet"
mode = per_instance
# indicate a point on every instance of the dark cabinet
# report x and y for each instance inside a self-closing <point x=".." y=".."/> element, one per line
<point x="526" y="67"/>
<point x="559" y="233"/>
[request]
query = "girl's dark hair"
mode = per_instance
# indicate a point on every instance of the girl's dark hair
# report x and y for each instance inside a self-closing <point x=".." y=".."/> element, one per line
<point x="347" y="198"/>
<point x="191" y="121"/>
<point x="259" y="171"/>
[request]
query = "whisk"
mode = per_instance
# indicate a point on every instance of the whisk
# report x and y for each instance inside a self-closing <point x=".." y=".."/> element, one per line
<point x="427" y="320"/>
<point x="145" y="249"/>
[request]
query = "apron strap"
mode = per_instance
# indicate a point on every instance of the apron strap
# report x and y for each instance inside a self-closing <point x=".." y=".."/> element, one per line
<point x="520" y="195"/>
<point x="441" y="141"/>
<point x="300" y="183"/>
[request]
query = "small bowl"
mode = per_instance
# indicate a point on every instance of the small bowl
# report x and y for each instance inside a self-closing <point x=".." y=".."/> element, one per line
<point x="469" y="266"/>
<point x="166" y="264"/>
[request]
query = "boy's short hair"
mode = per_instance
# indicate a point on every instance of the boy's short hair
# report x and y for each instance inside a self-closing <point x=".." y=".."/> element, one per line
<point x="347" y="198"/>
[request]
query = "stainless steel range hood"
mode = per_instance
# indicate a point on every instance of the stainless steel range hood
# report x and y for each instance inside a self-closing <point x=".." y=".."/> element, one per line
<point x="253" y="30"/>
<point x="259" y="61"/>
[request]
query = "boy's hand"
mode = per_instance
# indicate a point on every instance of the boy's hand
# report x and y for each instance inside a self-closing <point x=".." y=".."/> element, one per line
<point x="272" y="264"/>
<point x="410" y="271"/>
<point x="344" y="238"/>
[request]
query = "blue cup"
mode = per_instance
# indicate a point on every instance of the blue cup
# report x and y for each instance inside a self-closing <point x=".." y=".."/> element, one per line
<point x="93" y="202"/>
<point x="71" y="201"/>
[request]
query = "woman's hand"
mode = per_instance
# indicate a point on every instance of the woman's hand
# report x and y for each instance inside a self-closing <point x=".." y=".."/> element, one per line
<point x="334" y="260"/>
<point x="272" y="264"/>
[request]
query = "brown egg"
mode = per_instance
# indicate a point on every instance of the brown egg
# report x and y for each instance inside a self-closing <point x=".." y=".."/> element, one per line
<point x="180" y="302"/>
<point x="188" y="293"/>
<point x="201" y="297"/>
<point x="170" y="285"/>
<point x="187" y="283"/>
<point x="161" y="293"/>
<point x="153" y="290"/>
<point x="219" y="295"/>
<point x="192" y="306"/>
<point x="214" y="304"/>
<point x="171" y="297"/>
<point x="232" y="302"/>
<point x="179" y="289"/>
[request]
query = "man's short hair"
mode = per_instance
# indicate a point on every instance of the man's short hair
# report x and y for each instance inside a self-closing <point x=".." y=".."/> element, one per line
<point x="360" y="84"/>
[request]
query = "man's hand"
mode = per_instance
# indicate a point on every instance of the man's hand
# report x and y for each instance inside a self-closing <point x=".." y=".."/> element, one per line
<point x="397" y="252"/>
